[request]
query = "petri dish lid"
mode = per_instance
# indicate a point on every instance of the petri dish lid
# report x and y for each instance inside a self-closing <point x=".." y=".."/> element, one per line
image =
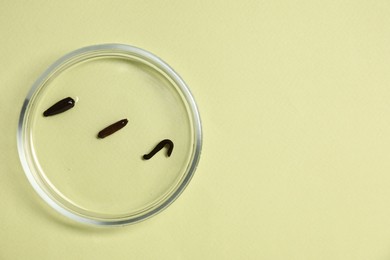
<point x="107" y="181"/>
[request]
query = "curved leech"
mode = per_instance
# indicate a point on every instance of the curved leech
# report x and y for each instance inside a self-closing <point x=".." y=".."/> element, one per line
<point x="159" y="146"/>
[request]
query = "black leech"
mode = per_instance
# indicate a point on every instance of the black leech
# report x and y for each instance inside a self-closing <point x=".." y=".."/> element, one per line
<point x="160" y="146"/>
<point x="59" y="107"/>
<point x="112" y="128"/>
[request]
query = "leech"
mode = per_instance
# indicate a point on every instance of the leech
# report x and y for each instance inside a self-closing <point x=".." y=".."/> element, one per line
<point x="160" y="146"/>
<point x="59" y="107"/>
<point x="109" y="130"/>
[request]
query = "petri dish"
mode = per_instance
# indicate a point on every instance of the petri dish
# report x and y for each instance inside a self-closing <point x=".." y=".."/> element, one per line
<point x="106" y="181"/>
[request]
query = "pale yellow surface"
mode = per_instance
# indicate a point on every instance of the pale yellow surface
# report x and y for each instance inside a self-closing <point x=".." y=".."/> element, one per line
<point x="295" y="103"/>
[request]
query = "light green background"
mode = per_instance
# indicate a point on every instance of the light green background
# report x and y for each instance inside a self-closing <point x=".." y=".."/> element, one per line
<point x="295" y="102"/>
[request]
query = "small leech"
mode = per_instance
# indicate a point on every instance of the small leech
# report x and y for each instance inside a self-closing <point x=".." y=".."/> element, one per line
<point x="161" y="145"/>
<point x="59" y="107"/>
<point x="109" y="130"/>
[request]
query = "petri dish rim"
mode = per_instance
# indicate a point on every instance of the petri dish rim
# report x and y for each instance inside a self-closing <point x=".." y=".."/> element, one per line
<point x="80" y="55"/>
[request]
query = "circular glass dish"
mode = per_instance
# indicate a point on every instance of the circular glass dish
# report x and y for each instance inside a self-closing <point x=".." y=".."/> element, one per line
<point x="107" y="181"/>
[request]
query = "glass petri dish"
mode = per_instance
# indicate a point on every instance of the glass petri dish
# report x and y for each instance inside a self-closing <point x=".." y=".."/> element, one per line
<point x="107" y="181"/>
